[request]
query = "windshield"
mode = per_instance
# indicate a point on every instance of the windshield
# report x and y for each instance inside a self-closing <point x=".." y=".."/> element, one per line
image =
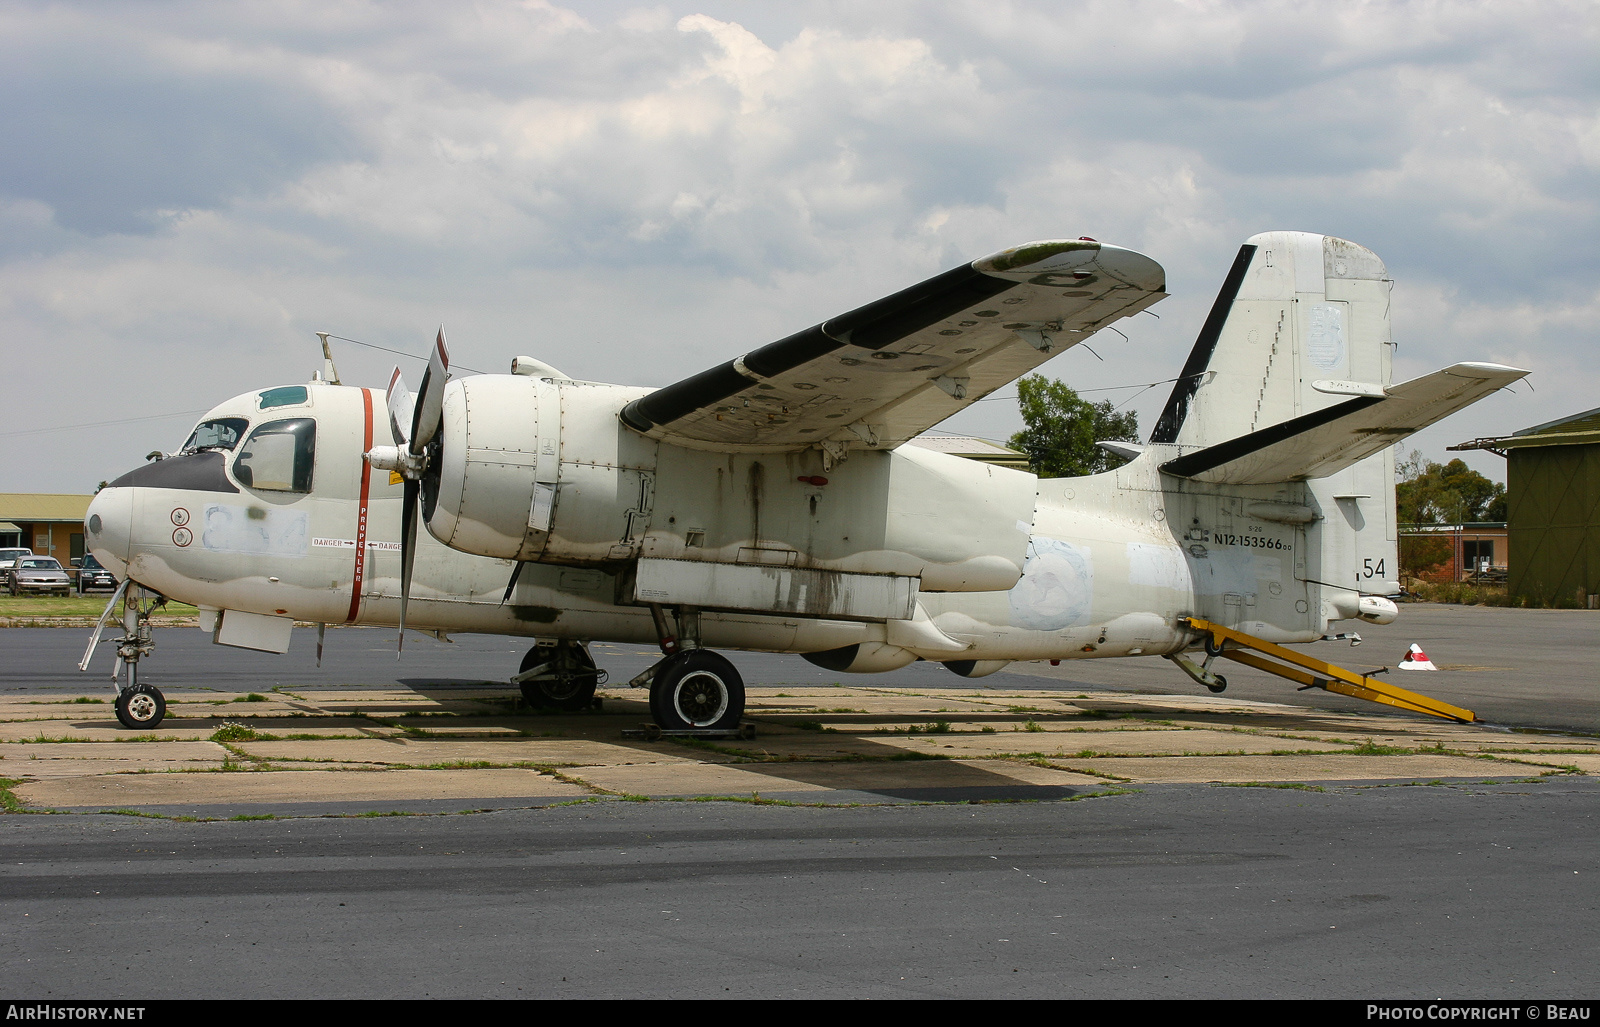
<point x="221" y="433"/>
<point x="91" y="564"/>
<point x="42" y="563"/>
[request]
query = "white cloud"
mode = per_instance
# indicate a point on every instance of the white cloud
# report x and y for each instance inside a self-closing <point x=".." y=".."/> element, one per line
<point x="202" y="186"/>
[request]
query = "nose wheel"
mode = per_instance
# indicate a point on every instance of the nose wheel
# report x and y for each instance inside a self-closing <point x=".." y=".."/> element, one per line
<point x="140" y="707"/>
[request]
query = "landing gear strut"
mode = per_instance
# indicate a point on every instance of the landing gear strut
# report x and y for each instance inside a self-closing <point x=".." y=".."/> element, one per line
<point x="559" y="676"/>
<point x="138" y="705"/>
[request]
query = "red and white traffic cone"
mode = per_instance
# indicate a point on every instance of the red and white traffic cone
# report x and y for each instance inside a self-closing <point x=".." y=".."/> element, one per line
<point x="1415" y="659"/>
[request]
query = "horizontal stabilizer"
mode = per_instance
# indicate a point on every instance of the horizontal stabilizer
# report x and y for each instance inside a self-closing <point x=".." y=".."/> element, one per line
<point x="1321" y="443"/>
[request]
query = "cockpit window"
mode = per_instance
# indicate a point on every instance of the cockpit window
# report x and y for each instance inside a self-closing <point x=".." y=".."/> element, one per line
<point x="278" y="456"/>
<point x="222" y="433"/>
<point x="284" y="396"/>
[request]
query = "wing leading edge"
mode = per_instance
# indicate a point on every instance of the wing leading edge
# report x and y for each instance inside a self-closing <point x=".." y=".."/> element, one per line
<point x="884" y="373"/>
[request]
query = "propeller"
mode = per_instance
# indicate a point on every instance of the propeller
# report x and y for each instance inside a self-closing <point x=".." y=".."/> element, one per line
<point x="413" y="422"/>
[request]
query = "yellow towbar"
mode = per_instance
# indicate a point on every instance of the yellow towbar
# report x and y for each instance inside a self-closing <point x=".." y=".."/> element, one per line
<point x="1310" y="672"/>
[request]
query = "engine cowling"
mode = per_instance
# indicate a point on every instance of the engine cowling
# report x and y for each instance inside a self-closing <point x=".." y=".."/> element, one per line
<point x="535" y="469"/>
<point x="487" y="465"/>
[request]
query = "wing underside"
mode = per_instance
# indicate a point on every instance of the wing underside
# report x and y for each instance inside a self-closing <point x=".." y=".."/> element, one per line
<point x="884" y="373"/>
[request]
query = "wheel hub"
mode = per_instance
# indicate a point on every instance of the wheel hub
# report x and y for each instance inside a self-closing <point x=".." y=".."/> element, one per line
<point x="702" y="699"/>
<point x="141" y="707"/>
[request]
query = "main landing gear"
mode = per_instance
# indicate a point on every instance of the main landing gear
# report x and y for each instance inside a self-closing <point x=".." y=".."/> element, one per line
<point x="692" y="690"/>
<point x="696" y="690"/>
<point x="139" y="706"/>
<point x="559" y="675"/>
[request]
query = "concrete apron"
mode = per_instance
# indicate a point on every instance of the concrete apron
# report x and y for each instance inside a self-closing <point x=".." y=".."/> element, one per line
<point x="337" y="752"/>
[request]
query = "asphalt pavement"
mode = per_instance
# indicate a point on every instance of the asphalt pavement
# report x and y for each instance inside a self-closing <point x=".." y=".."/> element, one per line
<point x="1451" y="891"/>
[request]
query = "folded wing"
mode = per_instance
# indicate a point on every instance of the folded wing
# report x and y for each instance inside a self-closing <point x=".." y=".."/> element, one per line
<point x="884" y="373"/>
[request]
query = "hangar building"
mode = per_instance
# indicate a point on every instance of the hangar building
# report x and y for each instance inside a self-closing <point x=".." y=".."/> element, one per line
<point x="1553" y="509"/>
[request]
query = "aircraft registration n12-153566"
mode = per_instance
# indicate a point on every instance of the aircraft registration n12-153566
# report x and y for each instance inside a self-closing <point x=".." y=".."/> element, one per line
<point x="771" y="503"/>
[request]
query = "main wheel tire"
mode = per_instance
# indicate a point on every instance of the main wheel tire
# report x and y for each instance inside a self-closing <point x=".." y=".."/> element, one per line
<point x="574" y="683"/>
<point x="141" y="707"/>
<point x="697" y="689"/>
<point x="1220" y="686"/>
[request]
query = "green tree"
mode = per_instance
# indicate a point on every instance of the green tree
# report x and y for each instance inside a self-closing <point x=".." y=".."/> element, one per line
<point x="1062" y="429"/>
<point x="1432" y="493"/>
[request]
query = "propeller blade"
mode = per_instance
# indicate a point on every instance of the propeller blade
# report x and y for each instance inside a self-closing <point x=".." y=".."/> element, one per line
<point x="430" y="400"/>
<point x="401" y="413"/>
<point x="408" y="552"/>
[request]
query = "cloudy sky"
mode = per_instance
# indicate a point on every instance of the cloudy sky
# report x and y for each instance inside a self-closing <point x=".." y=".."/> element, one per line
<point x="188" y="191"/>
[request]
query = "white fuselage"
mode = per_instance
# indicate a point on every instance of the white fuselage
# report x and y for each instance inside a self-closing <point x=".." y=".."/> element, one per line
<point x="1109" y="564"/>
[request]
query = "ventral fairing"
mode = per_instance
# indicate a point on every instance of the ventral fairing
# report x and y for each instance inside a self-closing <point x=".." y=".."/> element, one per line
<point x="772" y="504"/>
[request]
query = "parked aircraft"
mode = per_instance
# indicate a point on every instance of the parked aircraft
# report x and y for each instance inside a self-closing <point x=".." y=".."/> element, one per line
<point x="771" y="503"/>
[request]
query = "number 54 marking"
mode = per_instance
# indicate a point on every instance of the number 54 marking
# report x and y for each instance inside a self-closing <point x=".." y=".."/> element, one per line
<point x="1369" y="571"/>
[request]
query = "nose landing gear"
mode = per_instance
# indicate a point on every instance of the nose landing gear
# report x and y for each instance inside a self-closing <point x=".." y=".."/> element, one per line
<point x="138" y="705"/>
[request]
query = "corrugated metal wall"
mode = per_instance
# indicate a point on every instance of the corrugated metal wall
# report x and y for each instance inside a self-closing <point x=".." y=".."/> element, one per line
<point x="1554" y="523"/>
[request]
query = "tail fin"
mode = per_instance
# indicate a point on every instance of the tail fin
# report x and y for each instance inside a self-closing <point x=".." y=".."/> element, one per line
<point x="1287" y="394"/>
<point x="1294" y="309"/>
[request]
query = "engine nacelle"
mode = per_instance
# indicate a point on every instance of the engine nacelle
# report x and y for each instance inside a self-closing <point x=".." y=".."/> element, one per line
<point x="538" y="469"/>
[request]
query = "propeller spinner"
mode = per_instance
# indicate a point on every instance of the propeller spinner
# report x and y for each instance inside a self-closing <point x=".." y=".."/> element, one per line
<point x="413" y="421"/>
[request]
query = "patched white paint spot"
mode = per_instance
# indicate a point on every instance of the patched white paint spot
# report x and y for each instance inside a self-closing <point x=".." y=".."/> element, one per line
<point x="1157" y="566"/>
<point x="1325" y="336"/>
<point x="1057" y="586"/>
<point x="273" y="532"/>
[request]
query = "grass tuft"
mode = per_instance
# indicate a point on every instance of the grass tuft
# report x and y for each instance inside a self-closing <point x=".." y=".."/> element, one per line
<point x="1292" y="785"/>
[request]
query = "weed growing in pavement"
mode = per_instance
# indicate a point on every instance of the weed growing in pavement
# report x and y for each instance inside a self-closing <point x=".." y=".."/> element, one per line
<point x="232" y="732"/>
<point x="1294" y="785"/>
<point x="1370" y="748"/>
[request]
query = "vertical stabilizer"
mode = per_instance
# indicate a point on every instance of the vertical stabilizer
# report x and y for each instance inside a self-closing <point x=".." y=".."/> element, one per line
<point x="1295" y="310"/>
<point x="1301" y="325"/>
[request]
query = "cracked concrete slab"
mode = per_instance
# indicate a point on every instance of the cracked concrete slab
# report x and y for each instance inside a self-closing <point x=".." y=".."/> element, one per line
<point x="553" y="751"/>
<point x="1204" y="769"/>
<point x="866" y="754"/>
<point x="135" y="790"/>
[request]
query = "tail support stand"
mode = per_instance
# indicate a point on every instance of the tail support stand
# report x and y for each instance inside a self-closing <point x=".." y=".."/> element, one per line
<point x="1309" y="672"/>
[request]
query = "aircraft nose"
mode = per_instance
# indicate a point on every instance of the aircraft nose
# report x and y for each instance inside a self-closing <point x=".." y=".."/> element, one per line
<point x="108" y="528"/>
